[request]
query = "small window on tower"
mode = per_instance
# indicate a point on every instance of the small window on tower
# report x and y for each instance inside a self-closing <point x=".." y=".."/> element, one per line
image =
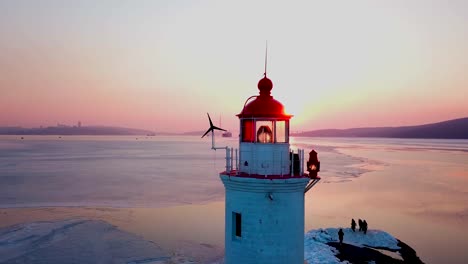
<point x="237" y="225"/>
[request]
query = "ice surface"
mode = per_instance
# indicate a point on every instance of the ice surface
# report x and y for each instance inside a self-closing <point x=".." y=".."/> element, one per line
<point x="108" y="172"/>
<point x="75" y="241"/>
<point x="336" y="166"/>
<point x="317" y="251"/>
<point x="124" y="172"/>
<point x="91" y="241"/>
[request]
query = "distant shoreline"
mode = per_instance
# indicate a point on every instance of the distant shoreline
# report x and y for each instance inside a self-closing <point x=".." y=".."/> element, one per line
<point x="23" y="136"/>
<point x="450" y="129"/>
<point x="77" y="131"/>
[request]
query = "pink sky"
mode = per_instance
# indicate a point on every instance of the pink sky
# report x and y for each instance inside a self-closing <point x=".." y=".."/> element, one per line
<point x="161" y="65"/>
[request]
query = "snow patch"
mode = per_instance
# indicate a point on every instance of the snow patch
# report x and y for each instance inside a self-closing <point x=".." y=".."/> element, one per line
<point x="316" y="249"/>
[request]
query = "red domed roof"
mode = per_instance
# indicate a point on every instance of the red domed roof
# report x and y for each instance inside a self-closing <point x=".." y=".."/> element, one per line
<point x="264" y="105"/>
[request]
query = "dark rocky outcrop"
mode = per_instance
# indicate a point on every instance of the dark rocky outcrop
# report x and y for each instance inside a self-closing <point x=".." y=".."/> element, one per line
<point x="356" y="255"/>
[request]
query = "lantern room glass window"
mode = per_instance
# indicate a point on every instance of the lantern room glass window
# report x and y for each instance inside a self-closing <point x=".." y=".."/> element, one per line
<point x="248" y="130"/>
<point x="281" y="131"/>
<point x="265" y="132"/>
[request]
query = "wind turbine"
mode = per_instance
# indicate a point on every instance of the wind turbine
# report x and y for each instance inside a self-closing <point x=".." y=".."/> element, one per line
<point x="212" y="129"/>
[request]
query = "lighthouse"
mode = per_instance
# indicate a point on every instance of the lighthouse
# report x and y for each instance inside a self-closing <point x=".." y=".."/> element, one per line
<point x="265" y="184"/>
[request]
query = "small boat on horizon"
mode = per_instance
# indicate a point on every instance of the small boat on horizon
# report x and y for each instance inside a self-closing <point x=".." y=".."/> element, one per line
<point x="227" y="134"/>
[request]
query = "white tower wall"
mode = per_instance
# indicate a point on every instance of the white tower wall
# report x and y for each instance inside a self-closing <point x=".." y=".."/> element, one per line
<point x="271" y="220"/>
<point x="264" y="159"/>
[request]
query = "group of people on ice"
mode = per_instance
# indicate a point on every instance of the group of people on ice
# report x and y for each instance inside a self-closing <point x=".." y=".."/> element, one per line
<point x="362" y="225"/>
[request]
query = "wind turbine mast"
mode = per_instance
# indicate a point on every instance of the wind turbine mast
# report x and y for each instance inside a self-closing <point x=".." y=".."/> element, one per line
<point x="212" y="129"/>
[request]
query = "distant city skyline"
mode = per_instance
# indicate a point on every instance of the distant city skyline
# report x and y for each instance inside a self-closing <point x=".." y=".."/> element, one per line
<point x="161" y="65"/>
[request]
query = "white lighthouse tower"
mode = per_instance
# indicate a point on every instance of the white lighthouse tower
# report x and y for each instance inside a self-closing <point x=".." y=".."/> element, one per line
<point x="265" y="185"/>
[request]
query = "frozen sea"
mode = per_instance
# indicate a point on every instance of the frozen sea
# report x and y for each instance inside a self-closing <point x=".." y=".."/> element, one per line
<point x="129" y="171"/>
<point x="415" y="189"/>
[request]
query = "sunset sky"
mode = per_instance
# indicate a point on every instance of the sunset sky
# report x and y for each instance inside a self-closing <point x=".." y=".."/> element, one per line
<point x="161" y="65"/>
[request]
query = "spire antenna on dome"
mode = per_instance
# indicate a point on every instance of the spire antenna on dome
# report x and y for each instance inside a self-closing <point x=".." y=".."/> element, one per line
<point x="266" y="57"/>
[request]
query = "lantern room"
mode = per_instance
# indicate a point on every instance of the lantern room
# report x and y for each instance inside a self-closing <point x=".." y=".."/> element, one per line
<point x="263" y="120"/>
<point x="264" y="134"/>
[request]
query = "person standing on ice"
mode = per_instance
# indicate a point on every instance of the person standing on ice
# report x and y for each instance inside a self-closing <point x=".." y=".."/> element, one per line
<point x="340" y="236"/>
<point x="364" y="226"/>
<point x="360" y="224"/>
<point x="353" y="225"/>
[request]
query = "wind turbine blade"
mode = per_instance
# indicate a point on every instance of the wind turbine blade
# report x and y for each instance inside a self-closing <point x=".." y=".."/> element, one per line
<point x="208" y="131"/>
<point x="209" y="118"/>
<point x="215" y="127"/>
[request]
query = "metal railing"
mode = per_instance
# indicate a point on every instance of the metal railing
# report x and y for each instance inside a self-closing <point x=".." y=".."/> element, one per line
<point x="232" y="160"/>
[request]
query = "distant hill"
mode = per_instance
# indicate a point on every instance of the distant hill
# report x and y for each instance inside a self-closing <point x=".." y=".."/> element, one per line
<point x="451" y="129"/>
<point x="84" y="130"/>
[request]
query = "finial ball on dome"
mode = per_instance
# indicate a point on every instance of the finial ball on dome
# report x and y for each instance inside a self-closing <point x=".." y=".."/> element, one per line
<point x="265" y="85"/>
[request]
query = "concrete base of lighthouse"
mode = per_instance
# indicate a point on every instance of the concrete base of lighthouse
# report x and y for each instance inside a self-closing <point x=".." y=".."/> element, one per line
<point x="264" y="220"/>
